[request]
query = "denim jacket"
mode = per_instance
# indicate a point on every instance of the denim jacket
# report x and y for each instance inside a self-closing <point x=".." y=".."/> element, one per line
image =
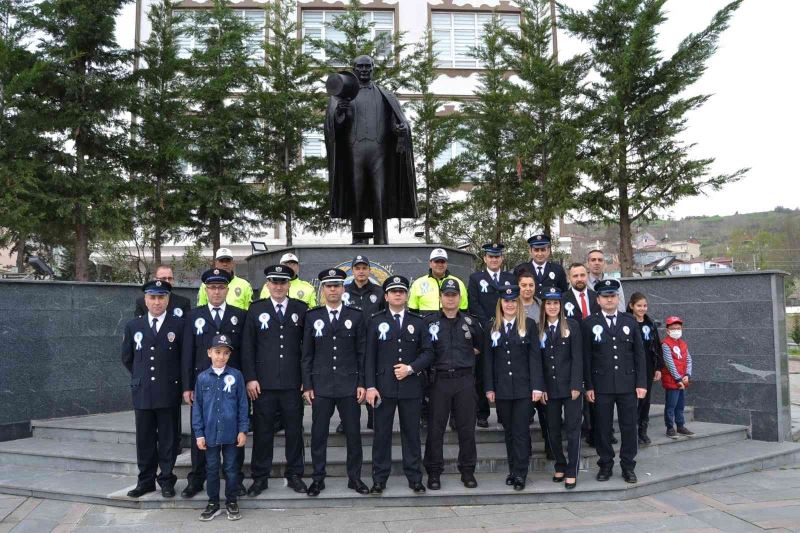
<point x="220" y="406"/>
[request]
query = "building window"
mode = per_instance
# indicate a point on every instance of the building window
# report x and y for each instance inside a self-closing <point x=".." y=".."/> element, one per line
<point x="318" y="24"/>
<point x="188" y="42"/>
<point x="453" y="150"/>
<point x="457" y="34"/>
<point x="313" y="145"/>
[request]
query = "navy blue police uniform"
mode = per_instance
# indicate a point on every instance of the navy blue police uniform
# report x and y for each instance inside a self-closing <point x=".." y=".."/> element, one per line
<point x="550" y="273"/>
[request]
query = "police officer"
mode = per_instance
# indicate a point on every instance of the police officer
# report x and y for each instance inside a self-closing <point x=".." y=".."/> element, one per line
<point x="562" y="356"/>
<point x="240" y="293"/>
<point x="483" y="289"/>
<point x="298" y="288"/>
<point x="615" y="374"/>
<point x="271" y="354"/>
<point x="333" y="377"/>
<point x="178" y="305"/>
<point x="457" y="341"/>
<point x="151" y="351"/>
<point x="513" y="377"/>
<point x="202" y="324"/>
<point x="423" y="297"/>
<point x="545" y="272"/>
<point x="398" y="349"/>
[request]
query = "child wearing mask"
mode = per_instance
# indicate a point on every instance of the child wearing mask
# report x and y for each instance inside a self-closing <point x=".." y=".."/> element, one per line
<point x="675" y="377"/>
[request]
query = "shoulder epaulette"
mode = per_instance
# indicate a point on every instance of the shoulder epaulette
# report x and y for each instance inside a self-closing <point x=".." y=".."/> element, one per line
<point x="354" y="308"/>
<point x="412" y="313"/>
<point x="376" y="314"/>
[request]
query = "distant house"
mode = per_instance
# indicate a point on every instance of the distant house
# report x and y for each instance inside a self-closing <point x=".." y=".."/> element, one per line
<point x="650" y="254"/>
<point x="683" y="250"/>
<point x="701" y="266"/>
<point x="644" y="240"/>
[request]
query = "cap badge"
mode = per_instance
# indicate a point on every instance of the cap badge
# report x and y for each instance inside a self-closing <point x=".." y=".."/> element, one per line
<point x="216" y="271"/>
<point x="158" y="283"/>
<point x="278" y="269"/>
<point x="331" y="272"/>
<point x="396" y="279"/>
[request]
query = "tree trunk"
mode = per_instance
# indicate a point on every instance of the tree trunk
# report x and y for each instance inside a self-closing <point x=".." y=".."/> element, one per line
<point x="157" y="237"/>
<point x="288" y="199"/>
<point x="81" y="248"/>
<point x="625" y="246"/>
<point x="214" y="228"/>
<point x="21" y="253"/>
<point x="428" y="177"/>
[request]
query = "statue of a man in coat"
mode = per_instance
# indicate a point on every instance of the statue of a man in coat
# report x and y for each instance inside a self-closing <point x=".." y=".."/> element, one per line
<point x="370" y="157"/>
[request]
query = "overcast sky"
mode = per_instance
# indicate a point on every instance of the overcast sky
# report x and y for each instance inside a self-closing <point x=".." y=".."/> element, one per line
<point x="751" y="119"/>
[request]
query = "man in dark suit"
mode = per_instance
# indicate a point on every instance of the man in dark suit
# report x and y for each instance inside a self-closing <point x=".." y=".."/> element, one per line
<point x="178" y="305"/>
<point x="202" y="324"/>
<point x="547" y="273"/>
<point x="398" y="350"/>
<point x="151" y="351"/>
<point x="271" y="354"/>
<point x="333" y="377"/>
<point x="615" y="374"/>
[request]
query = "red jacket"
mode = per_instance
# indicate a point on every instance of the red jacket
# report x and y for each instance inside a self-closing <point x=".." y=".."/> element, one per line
<point x="677" y="362"/>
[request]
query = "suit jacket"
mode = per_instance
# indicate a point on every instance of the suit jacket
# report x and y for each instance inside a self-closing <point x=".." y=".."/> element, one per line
<point x="513" y="365"/>
<point x="572" y="307"/>
<point x="484" y="292"/>
<point x="199" y="331"/>
<point x="613" y="361"/>
<point x="176" y="301"/>
<point x="369" y="298"/>
<point x="271" y="350"/>
<point x="553" y="275"/>
<point x="562" y="358"/>
<point x="154" y="362"/>
<point x="333" y="358"/>
<point x="387" y="346"/>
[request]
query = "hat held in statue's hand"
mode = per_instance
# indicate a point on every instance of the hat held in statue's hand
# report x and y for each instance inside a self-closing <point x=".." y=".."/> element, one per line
<point x="342" y="84"/>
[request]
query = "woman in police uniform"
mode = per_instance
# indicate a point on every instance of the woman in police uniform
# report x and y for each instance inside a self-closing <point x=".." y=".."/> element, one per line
<point x="513" y="378"/>
<point x="562" y="359"/>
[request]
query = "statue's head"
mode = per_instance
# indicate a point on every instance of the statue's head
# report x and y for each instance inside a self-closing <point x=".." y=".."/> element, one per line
<point x="363" y="67"/>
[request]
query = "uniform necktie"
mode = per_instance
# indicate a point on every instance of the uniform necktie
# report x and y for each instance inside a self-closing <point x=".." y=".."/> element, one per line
<point x="155" y="327"/>
<point x="217" y="318"/>
<point x="397" y="321"/>
<point x="552" y="332"/>
<point x="494" y="278"/>
<point x="539" y="275"/>
<point x="508" y="328"/>
<point x="334" y="320"/>
<point x="279" y="309"/>
<point x="584" y="309"/>
<point x="612" y="322"/>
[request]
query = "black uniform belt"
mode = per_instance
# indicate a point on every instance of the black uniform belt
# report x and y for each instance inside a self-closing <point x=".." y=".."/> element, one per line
<point x="453" y="372"/>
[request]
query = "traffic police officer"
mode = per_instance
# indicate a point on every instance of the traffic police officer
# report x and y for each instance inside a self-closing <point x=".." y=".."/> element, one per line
<point x="513" y="378"/>
<point x="398" y="349"/>
<point x="483" y="289"/>
<point x="240" y="293"/>
<point x="178" y="305"/>
<point x="298" y="288"/>
<point x="333" y="377"/>
<point x="615" y="373"/>
<point x="202" y="324"/>
<point x="271" y="354"/>
<point x="423" y="297"/>
<point x="545" y="272"/>
<point x="457" y="341"/>
<point x="151" y="351"/>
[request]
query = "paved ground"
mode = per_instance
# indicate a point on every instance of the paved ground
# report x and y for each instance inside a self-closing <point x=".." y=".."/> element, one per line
<point x="767" y="500"/>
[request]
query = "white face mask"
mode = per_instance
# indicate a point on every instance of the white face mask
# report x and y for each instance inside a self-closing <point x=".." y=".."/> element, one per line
<point x="675" y="333"/>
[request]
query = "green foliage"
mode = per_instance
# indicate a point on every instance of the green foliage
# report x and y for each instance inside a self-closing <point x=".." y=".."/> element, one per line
<point x="794" y="334"/>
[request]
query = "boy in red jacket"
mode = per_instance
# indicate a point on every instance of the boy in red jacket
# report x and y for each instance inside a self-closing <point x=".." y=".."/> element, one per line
<point x="675" y="377"/>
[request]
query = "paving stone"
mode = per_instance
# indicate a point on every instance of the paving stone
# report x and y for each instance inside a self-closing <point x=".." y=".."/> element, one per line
<point x="725" y="521"/>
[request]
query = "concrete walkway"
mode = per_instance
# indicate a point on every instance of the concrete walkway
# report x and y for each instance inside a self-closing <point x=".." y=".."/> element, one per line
<point x="757" y="501"/>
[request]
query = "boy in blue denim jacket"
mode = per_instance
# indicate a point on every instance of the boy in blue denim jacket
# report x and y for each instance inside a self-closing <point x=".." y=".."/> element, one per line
<point x="220" y="423"/>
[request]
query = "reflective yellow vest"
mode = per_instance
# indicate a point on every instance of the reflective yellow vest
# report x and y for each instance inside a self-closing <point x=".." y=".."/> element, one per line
<point x="424" y="293"/>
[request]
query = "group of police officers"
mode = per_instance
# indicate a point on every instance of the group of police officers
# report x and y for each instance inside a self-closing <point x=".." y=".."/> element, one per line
<point x="530" y="341"/>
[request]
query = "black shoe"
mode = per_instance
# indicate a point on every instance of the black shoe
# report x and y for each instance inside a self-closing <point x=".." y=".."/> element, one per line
<point x="510" y="479"/>
<point x="232" y="508"/>
<point x="168" y="492"/>
<point x="296" y="484"/>
<point x="212" y="510"/>
<point x="590" y="442"/>
<point x="557" y="479"/>
<point x="315" y="488"/>
<point x="482" y="423"/>
<point x="257" y="487"/>
<point x="433" y="482"/>
<point x="138" y="491"/>
<point x="604" y="475"/>
<point x="358" y="486"/>
<point x="570" y="486"/>
<point x="241" y="491"/>
<point x="416" y="486"/>
<point x="629" y="476"/>
<point x="340" y="428"/>
<point x="644" y="439"/>
<point x="519" y="483"/>
<point x="377" y="488"/>
<point x="614" y="440"/>
<point x="190" y="491"/>
<point x="469" y="481"/>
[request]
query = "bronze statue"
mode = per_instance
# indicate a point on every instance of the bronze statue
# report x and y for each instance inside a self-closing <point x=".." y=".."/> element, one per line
<point x="370" y="157"/>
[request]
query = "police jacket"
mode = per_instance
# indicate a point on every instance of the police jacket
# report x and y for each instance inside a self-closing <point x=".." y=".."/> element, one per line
<point x="271" y="349"/>
<point x="388" y="346"/>
<point x="513" y="364"/>
<point x="178" y="306"/>
<point x="154" y="362"/>
<point x="613" y="361"/>
<point x="220" y="406"/>
<point x="368" y="298"/>
<point x="553" y="275"/>
<point x="652" y="345"/>
<point x="562" y="359"/>
<point x="423" y="296"/>
<point x="198" y="332"/>
<point x="483" y="292"/>
<point x="333" y="358"/>
<point x="454" y="340"/>
<point x="572" y="307"/>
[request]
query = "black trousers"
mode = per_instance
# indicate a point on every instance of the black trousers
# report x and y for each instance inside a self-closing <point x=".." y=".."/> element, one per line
<point x="408" y="410"/>
<point x="541" y="412"/>
<point x="456" y="395"/>
<point x="179" y="431"/>
<point x="350" y="413"/>
<point x="288" y="404"/>
<point x="627" y="411"/>
<point x="644" y="403"/>
<point x="198" y="473"/>
<point x="564" y="416"/>
<point x="155" y="446"/>
<point x="588" y="423"/>
<point x="483" y="409"/>
<point x="369" y="182"/>
<point x="514" y="414"/>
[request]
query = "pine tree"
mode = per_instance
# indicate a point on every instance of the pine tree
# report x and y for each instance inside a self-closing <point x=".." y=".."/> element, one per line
<point x="158" y="144"/>
<point x="638" y="163"/>
<point x="289" y="103"/>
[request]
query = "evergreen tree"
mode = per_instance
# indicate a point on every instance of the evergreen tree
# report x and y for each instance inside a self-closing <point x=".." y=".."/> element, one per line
<point x="638" y="163"/>
<point x="221" y="192"/>
<point x="158" y="144"/>
<point x="289" y="103"/>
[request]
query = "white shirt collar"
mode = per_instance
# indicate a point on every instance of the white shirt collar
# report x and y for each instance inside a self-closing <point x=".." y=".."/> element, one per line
<point x="493" y="274"/>
<point x="276" y="303"/>
<point x="159" y="319"/>
<point x="221" y="307"/>
<point x="551" y="323"/>
<point x="506" y="323"/>
<point x="537" y="265"/>
<point x="401" y="313"/>
<point x="577" y="294"/>
<point x="218" y="371"/>
<point x="614" y="315"/>
<point x="337" y="309"/>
